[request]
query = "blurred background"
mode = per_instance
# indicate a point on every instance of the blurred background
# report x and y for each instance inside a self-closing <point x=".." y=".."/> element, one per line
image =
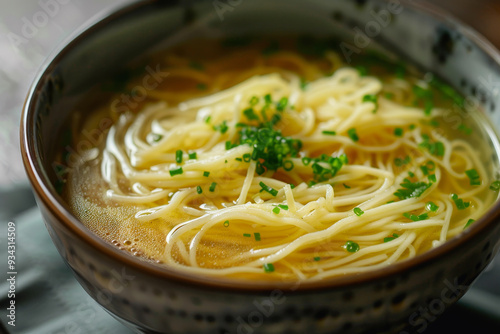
<point x="49" y="299"/>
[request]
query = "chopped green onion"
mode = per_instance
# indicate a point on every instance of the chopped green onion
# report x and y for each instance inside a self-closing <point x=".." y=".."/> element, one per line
<point x="495" y="186"/>
<point x="398" y="132"/>
<point x="222" y="128"/>
<point x="432" y="178"/>
<point x="461" y="205"/>
<point x="398" y="162"/>
<point x="288" y="165"/>
<point x="250" y="114"/>
<point x="268" y="267"/>
<point x="178" y="156"/>
<point x="282" y="104"/>
<point x="317" y="258"/>
<point x="254" y="100"/>
<point x="371" y="98"/>
<point x="431" y="206"/>
<point x="465" y="129"/>
<point x="416" y="218"/>
<point x="156" y="137"/>
<point x="268" y="189"/>
<point x="193" y="155"/>
<point x="212" y="187"/>
<point x="394" y="236"/>
<point x="474" y="178"/>
<point x="358" y="211"/>
<point x="247" y="235"/>
<point x="352" y="134"/>
<point x="283" y="206"/>
<point x="206" y="173"/>
<point x="411" y="189"/>
<point x="207" y="120"/>
<point x="199" y="190"/>
<point x="257" y="236"/>
<point x="276" y="210"/>
<point x="226" y="223"/>
<point x="329" y="133"/>
<point x="177" y="171"/>
<point x="306" y="161"/>
<point x="351" y="246"/>
<point x="469" y="223"/>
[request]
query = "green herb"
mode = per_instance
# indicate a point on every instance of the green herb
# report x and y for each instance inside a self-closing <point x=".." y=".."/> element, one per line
<point x="358" y="212"/>
<point x="254" y="100"/>
<point x="306" y="161"/>
<point x="206" y="174"/>
<point x="495" y="186"/>
<point x="346" y="186"/>
<point x="401" y="162"/>
<point x="208" y="119"/>
<point x="212" y="187"/>
<point x="371" y="98"/>
<point x="268" y="189"/>
<point x="465" y="129"/>
<point x="432" y="178"/>
<point x="303" y="83"/>
<point x="282" y="104"/>
<point x="177" y="171"/>
<point x="276" y="210"/>
<point x="429" y="166"/>
<point x="461" y="205"/>
<point x="352" y="134"/>
<point x="283" y="206"/>
<point x="257" y="236"/>
<point x="469" y="223"/>
<point x="199" y="190"/>
<point x="431" y="206"/>
<point x="178" y="156"/>
<point x="156" y="137"/>
<point x="247" y="235"/>
<point x="317" y="258"/>
<point x="226" y="223"/>
<point x="411" y="189"/>
<point x="434" y="148"/>
<point x="329" y="133"/>
<point x="416" y="218"/>
<point x="250" y="114"/>
<point x="394" y="236"/>
<point x="398" y="132"/>
<point x="193" y="155"/>
<point x="222" y="128"/>
<point x="474" y="178"/>
<point x="351" y="246"/>
<point x="268" y="267"/>
<point x="363" y="71"/>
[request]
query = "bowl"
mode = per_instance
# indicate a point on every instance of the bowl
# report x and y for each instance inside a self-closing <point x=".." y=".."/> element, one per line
<point x="403" y="298"/>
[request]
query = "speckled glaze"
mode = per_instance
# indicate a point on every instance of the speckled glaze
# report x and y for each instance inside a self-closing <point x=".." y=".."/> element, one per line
<point x="403" y="298"/>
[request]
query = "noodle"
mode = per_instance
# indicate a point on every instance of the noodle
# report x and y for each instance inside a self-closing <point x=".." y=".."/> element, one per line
<point x="263" y="176"/>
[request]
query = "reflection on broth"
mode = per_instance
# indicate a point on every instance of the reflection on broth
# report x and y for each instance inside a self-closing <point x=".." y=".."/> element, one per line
<point x="273" y="159"/>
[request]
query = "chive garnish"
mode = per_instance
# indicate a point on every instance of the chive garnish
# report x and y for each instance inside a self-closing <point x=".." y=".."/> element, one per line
<point x="268" y="189"/>
<point x="268" y="267"/>
<point x="461" y="205"/>
<point x="276" y="210"/>
<point x="199" y="190"/>
<point x="317" y="258"/>
<point x="247" y="235"/>
<point x="351" y="246"/>
<point x="398" y="132"/>
<point x="222" y="128"/>
<point x="206" y="173"/>
<point x="226" y="223"/>
<point x="372" y="98"/>
<point x="416" y="218"/>
<point x="178" y="156"/>
<point x="495" y="186"/>
<point x="352" y="134"/>
<point x="394" y="236"/>
<point x="411" y="189"/>
<point x="257" y="236"/>
<point x="329" y="133"/>
<point x="193" y="155"/>
<point x="177" y="171"/>
<point x="474" y="178"/>
<point x="431" y="206"/>
<point x="469" y="223"/>
<point x="358" y="211"/>
<point x="212" y="187"/>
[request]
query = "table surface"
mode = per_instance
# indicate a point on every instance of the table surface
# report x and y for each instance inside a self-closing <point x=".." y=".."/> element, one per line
<point x="50" y="300"/>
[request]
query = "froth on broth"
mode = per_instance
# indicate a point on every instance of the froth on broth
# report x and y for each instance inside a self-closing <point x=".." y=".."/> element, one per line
<point x="273" y="159"/>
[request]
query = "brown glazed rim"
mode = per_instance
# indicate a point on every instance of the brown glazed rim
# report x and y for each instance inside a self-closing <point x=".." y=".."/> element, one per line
<point x="52" y="201"/>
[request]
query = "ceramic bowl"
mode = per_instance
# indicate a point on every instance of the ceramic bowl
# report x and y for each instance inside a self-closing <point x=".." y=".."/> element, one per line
<point x="403" y="298"/>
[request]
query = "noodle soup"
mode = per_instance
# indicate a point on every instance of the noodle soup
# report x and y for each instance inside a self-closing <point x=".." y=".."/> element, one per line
<point x="273" y="159"/>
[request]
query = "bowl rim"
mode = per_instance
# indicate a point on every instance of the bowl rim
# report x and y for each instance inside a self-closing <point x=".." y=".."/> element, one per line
<point x="53" y="202"/>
